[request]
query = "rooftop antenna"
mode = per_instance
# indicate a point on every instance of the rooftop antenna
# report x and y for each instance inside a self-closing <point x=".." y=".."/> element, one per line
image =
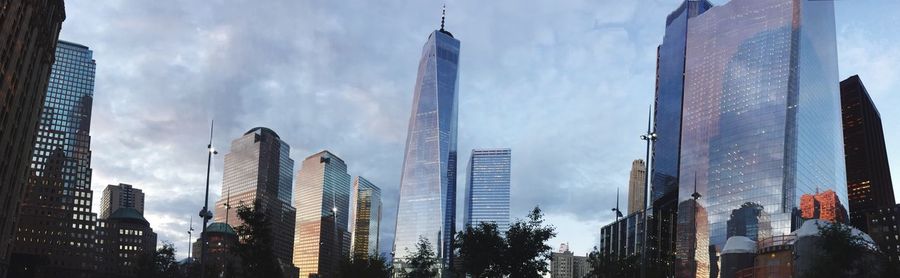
<point x="696" y="194"/>
<point x="227" y="205"/>
<point x="443" y="15"/>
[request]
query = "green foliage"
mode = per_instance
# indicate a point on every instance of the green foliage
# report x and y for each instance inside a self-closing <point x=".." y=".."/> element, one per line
<point x="612" y="267"/>
<point x="840" y="253"/>
<point x="423" y="264"/>
<point x="481" y="251"/>
<point x="255" y="247"/>
<point x="160" y="264"/>
<point x="528" y="252"/>
<point x="374" y="266"/>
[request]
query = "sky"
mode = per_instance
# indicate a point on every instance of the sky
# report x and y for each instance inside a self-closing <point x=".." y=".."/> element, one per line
<point x="565" y="84"/>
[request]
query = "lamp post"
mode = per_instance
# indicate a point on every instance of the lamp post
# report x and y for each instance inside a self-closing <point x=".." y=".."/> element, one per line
<point x="650" y="137"/>
<point x="205" y="213"/>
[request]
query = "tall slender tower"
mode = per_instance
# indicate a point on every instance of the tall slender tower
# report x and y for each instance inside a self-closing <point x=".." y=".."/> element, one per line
<point x="427" y="204"/>
<point x="323" y="212"/>
<point x="56" y="222"/>
<point x="258" y="168"/>
<point x="636" y="180"/>
<point x="366" y="221"/>
<point x="29" y="30"/>
<point x="761" y="122"/>
<point x="487" y="191"/>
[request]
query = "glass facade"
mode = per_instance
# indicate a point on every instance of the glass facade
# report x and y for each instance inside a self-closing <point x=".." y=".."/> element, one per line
<point x="760" y="122"/>
<point x="427" y="205"/>
<point x="323" y="213"/>
<point x="258" y="167"/>
<point x="366" y="218"/>
<point x="56" y="212"/>
<point x="487" y="191"/>
<point x="667" y="126"/>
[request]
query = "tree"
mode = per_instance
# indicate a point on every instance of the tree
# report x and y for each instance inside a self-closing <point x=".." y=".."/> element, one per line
<point x="609" y="266"/>
<point x="528" y="251"/>
<point x="840" y="253"/>
<point x="374" y="266"/>
<point x="423" y="264"/>
<point x="481" y="251"/>
<point x="161" y="263"/>
<point x="254" y="248"/>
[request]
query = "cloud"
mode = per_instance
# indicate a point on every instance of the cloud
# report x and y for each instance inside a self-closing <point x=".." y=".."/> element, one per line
<point x="566" y="85"/>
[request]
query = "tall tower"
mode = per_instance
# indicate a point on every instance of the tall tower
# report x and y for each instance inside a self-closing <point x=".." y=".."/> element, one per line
<point x="323" y="212"/>
<point x="56" y="222"/>
<point x="427" y="204"/>
<point x="669" y="94"/>
<point x="868" y="174"/>
<point x="258" y="167"/>
<point x="366" y="221"/>
<point x="121" y="196"/>
<point x="30" y="30"/>
<point x="636" y="180"/>
<point x="761" y="121"/>
<point x="487" y="192"/>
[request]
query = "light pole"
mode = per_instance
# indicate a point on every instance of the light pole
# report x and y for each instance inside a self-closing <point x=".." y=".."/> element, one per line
<point x="190" y="233"/>
<point x="205" y="213"/>
<point x="618" y="215"/>
<point x="650" y="137"/>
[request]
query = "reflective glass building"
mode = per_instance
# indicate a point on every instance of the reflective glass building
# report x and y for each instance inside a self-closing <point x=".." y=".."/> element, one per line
<point x="427" y="205"/>
<point x="323" y="213"/>
<point x="761" y="121"/>
<point x="56" y="223"/>
<point x="667" y="125"/>
<point x="487" y="188"/>
<point x="258" y="167"/>
<point x="366" y="221"/>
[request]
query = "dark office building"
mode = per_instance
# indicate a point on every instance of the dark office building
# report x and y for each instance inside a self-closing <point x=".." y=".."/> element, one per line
<point x="125" y="237"/>
<point x="56" y="226"/>
<point x="870" y="191"/>
<point x="29" y="30"/>
<point x="869" y="185"/>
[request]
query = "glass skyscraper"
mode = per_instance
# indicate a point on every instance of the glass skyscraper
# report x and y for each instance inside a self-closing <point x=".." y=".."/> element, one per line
<point x="761" y="121"/>
<point x="487" y="188"/>
<point x="258" y="167"/>
<point x="667" y="125"/>
<point x="323" y="213"/>
<point x="366" y="222"/>
<point x="56" y="222"/>
<point x="427" y="205"/>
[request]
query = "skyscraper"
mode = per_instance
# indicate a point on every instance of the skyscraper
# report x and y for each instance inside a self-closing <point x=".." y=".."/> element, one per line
<point x="366" y="222"/>
<point x="669" y="95"/>
<point x="56" y="224"/>
<point x="323" y="212"/>
<point x="121" y="196"/>
<point x="258" y="168"/>
<point x="636" y="191"/>
<point x="30" y="30"/>
<point x="487" y="189"/>
<point x="761" y="120"/>
<point x="868" y="174"/>
<point x="427" y="205"/>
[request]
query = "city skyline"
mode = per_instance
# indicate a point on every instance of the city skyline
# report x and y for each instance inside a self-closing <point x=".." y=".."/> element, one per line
<point x="149" y="144"/>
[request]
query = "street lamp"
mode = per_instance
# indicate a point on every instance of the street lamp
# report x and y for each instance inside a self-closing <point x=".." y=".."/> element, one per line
<point x="205" y="213"/>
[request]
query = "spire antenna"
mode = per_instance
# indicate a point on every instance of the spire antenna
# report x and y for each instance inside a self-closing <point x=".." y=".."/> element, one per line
<point x="443" y="15"/>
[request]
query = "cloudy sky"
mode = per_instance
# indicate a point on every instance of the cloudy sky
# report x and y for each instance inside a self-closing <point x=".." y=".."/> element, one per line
<point x="565" y="84"/>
